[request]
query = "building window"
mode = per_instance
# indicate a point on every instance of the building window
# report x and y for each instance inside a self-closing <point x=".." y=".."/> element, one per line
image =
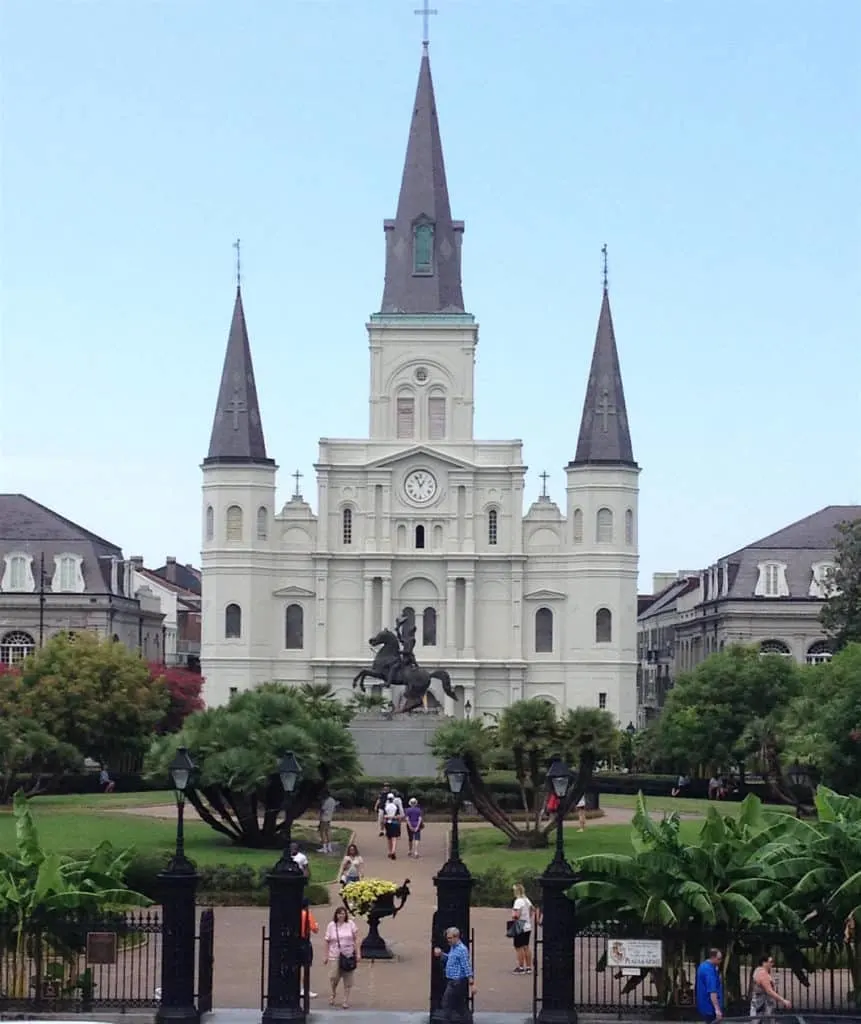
<point x="436" y="417"/>
<point x="602" y="701"/>
<point x="232" y="622"/>
<point x="262" y="523"/>
<point x="629" y="526"/>
<point x="429" y="627"/>
<point x="578" y="525"/>
<point x="543" y="631"/>
<point x="603" y="626"/>
<point x="420" y="536"/>
<point x="406" y="416"/>
<point x="67" y="569"/>
<point x="771" y="581"/>
<point x="233" y="524"/>
<point x="774" y="647"/>
<point x="347" y="526"/>
<point x="18" y="575"/>
<point x="492" y="526"/>
<point x="294" y="617"/>
<point x="604" y="526"/>
<point x="15" y="647"/>
<point x="210" y="522"/>
<point x="423" y="249"/>
<point x="818" y="653"/>
<point x="232" y="691"/>
<point x="822" y="580"/>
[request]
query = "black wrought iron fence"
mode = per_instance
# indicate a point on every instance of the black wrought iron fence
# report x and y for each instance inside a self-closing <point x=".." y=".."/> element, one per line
<point x="79" y="963"/>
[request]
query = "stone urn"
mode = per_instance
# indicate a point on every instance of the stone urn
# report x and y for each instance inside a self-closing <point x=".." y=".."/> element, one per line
<point x="390" y="904"/>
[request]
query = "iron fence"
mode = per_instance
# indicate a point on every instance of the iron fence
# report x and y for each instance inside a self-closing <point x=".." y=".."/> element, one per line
<point x="77" y="963"/>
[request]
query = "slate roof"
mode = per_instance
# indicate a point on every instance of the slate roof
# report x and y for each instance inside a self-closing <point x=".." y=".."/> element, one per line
<point x="798" y="546"/>
<point x="187" y="577"/>
<point x="423" y="196"/>
<point x="605" y="437"/>
<point x="31" y="528"/>
<point x="237" y="430"/>
<point x="666" y="599"/>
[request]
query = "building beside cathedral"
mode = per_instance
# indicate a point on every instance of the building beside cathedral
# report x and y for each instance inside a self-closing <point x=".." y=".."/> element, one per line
<point x="421" y="515"/>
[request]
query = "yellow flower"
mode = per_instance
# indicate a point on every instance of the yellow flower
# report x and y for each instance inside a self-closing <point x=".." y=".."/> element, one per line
<point x="361" y="896"/>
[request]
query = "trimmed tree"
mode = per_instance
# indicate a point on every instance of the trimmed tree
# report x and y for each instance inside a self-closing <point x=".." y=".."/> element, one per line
<point x="237" y="790"/>
<point x="841" y="613"/>
<point x="184" y="691"/>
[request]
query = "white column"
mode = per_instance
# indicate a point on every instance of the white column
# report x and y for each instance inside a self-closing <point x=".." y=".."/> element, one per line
<point x="388" y="621"/>
<point x="469" y="624"/>
<point x="450" y="615"/>
<point x="368" y="613"/>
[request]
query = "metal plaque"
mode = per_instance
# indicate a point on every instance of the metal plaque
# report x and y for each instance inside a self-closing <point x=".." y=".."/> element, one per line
<point x="101" y="947"/>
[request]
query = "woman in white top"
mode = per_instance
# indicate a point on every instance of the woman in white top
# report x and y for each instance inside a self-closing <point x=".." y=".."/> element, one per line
<point x="581" y="814"/>
<point x="392" y="814"/>
<point x="352" y="866"/>
<point x="523" y="913"/>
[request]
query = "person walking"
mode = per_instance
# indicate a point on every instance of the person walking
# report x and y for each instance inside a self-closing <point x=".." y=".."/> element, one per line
<point x="379" y="807"/>
<point x="307" y="927"/>
<point x="459" y="977"/>
<point x="327" y="813"/>
<point x="764" y="997"/>
<point x="342" y="954"/>
<point x="352" y="866"/>
<point x="415" y="824"/>
<point x="581" y="814"/>
<point x="392" y="819"/>
<point x="709" y="988"/>
<point x="523" y="912"/>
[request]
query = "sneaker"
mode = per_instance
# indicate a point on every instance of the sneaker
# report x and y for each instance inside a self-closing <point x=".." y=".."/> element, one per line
<point x="312" y="995"/>
<point x="519" y="970"/>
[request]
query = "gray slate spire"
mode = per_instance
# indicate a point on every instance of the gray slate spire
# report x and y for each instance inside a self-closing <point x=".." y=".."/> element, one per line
<point x="605" y="438"/>
<point x="415" y="284"/>
<point x="237" y="433"/>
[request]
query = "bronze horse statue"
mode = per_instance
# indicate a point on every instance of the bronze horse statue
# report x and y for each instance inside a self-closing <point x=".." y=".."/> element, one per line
<point x="416" y="680"/>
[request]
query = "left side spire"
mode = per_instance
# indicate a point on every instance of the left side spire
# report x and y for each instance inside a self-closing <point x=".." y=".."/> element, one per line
<point x="237" y="430"/>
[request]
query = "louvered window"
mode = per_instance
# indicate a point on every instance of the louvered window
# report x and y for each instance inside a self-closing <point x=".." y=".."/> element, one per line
<point x="436" y="417"/>
<point x="406" y="416"/>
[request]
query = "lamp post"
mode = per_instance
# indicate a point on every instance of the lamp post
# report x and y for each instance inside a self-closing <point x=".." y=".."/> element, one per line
<point x="558" y="923"/>
<point x="467" y="709"/>
<point x="453" y="886"/>
<point x="178" y="885"/>
<point x="802" y="777"/>
<point x="286" y="886"/>
<point x="630" y="729"/>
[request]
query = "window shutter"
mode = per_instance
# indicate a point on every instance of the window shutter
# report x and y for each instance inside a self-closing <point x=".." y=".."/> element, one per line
<point x="406" y="417"/>
<point x="436" y="417"/>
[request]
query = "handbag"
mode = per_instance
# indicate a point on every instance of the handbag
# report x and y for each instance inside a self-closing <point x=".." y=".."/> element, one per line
<point x="346" y="961"/>
<point x="513" y="928"/>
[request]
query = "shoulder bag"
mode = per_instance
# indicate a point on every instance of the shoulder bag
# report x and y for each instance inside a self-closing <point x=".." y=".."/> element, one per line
<point x="346" y="961"/>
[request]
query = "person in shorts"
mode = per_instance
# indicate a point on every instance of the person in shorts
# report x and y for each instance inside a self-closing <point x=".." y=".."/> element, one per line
<point x="415" y="824"/>
<point x="392" y="825"/>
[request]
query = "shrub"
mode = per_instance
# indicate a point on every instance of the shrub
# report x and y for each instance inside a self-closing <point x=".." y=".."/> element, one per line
<point x="492" y="886"/>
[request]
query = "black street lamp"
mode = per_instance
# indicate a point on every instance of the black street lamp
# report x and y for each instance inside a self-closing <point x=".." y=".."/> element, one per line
<point x="467" y="708"/>
<point x="453" y="886"/>
<point x="286" y="888"/>
<point x="178" y="885"/>
<point x="630" y="728"/>
<point x="558" y="922"/>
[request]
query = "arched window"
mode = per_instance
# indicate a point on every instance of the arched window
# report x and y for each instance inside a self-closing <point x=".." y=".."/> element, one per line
<point x="406" y="410"/>
<point x="818" y="653"/>
<point x="604" y="526"/>
<point x="401" y="536"/>
<point x="578" y="525"/>
<point x="294" y="627"/>
<point x="262" y="523"/>
<point x="429" y="627"/>
<point x="492" y="526"/>
<point x="210" y="522"/>
<point x="232" y="622"/>
<point x="436" y="417"/>
<point x="629" y="526"/>
<point x="347" y="526"/>
<point x="15" y="647"/>
<point x="774" y="647"/>
<point x="437" y="537"/>
<point x="420" y="536"/>
<point x="233" y="524"/>
<point x="423" y="249"/>
<point x="543" y="631"/>
<point x="603" y="626"/>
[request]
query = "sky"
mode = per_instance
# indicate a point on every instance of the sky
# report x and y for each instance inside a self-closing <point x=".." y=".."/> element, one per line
<point x="714" y="146"/>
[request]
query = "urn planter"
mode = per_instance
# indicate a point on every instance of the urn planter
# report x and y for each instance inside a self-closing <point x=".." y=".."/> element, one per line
<point x="390" y="904"/>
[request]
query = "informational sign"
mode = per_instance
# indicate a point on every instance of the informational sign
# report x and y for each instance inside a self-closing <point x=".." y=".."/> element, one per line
<point x="631" y="955"/>
<point x="101" y="947"/>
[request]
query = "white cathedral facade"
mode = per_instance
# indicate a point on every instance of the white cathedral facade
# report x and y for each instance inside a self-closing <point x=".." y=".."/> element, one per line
<point x="421" y="516"/>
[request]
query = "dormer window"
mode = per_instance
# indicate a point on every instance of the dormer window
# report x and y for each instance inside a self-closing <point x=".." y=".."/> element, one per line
<point x="772" y="580"/>
<point x="423" y="248"/>
<point x="821" y="583"/>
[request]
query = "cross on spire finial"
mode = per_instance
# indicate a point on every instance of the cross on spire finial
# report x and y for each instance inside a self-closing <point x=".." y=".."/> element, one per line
<point x="297" y="476"/>
<point x="425" y="11"/>
<point x="604" y="254"/>
<point x="237" y="245"/>
<point x="544" y="477"/>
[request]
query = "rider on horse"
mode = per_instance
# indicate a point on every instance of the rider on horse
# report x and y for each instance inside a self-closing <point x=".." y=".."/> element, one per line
<point x="408" y="646"/>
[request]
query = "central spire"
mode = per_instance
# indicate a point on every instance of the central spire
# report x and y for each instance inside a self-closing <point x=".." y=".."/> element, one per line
<point x="423" y="242"/>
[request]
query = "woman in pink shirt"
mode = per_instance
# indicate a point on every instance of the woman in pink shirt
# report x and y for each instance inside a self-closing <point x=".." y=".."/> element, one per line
<point x="342" y="954"/>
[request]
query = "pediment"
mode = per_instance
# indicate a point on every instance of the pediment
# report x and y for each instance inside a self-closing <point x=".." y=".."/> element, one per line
<point x="419" y="451"/>
<point x="544" y="594"/>
<point x="293" y="591"/>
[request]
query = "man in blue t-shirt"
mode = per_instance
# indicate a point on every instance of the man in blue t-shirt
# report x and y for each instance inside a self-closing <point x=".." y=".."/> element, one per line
<point x="710" y="987"/>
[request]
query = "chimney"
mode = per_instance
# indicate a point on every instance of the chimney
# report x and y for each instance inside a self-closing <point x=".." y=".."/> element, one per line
<point x="170" y="568"/>
<point x="661" y="580"/>
<point x="136" y="561"/>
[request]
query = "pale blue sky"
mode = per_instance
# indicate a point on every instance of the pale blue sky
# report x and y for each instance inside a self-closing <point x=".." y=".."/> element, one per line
<point x="713" y="144"/>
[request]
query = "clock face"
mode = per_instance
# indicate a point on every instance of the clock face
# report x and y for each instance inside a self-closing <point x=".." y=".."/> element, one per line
<point x="420" y="486"/>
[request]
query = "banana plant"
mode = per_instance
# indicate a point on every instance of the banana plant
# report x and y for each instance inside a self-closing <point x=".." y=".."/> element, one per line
<point x="41" y="893"/>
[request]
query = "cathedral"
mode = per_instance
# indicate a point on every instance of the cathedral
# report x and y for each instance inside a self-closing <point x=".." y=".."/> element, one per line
<point x="420" y="518"/>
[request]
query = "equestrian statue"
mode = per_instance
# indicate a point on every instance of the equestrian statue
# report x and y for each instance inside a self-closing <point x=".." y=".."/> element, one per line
<point x="395" y="665"/>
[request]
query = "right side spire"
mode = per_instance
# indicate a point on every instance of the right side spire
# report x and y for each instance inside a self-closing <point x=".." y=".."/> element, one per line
<point x="605" y="437"/>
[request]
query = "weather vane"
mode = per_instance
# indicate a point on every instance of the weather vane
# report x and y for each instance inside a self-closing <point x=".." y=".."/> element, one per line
<point x="604" y="254"/>
<point x="236" y="246"/>
<point x="426" y="11"/>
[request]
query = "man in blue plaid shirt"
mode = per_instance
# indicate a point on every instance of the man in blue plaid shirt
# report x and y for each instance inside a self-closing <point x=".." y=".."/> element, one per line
<point x="460" y="984"/>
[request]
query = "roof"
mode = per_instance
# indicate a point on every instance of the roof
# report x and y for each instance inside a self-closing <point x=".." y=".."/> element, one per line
<point x="187" y="577"/>
<point x="237" y="430"/>
<point x="816" y="531"/>
<point x="666" y="599"/>
<point x="423" y="198"/>
<point x="605" y="437"/>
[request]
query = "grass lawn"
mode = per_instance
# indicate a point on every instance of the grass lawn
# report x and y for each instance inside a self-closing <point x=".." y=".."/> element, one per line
<point x="659" y="804"/>
<point x="75" y="824"/>
<point x="483" y="848"/>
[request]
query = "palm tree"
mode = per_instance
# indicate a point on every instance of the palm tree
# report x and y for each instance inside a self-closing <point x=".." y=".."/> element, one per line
<point x="528" y="729"/>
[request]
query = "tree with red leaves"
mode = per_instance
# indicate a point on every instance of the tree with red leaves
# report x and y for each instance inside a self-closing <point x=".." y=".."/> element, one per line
<point x="184" y="688"/>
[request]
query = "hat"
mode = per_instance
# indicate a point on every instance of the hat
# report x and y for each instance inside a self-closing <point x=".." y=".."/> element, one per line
<point x="390" y="796"/>
<point x="413" y="801"/>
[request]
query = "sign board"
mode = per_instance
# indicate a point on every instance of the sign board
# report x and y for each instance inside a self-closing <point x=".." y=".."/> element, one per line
<point x="635" y="953"/>
<point x="101" y="947"/>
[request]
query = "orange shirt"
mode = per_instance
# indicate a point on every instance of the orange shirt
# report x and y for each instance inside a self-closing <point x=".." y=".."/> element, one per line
<point x="308" y="924"/>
